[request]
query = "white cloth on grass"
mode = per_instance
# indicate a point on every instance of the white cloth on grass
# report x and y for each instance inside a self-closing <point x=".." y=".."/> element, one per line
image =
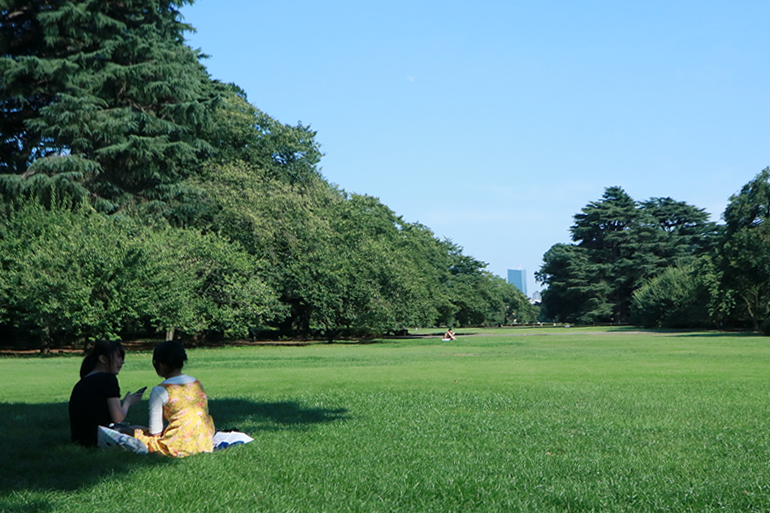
<point x="107" y="437"/>
<point x="225" y="439"/>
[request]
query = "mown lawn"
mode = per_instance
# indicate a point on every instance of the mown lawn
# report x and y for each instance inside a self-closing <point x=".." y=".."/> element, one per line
<point x="504" y="420"/>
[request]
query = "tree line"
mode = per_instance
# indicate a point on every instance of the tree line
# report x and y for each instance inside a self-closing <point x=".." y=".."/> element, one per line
<point x="138" y="195"/>
<point x="662" y="263"/>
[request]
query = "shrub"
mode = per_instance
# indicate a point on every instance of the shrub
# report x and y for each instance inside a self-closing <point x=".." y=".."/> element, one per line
<point x="73" y="274"/>
<point x="677" y="298"/>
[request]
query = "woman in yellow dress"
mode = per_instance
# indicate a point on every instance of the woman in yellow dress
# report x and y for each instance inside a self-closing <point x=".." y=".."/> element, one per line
<point x="180" y="400"/>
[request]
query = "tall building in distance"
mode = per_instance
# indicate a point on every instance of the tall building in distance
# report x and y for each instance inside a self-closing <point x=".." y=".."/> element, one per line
<point x="519" y="278"/>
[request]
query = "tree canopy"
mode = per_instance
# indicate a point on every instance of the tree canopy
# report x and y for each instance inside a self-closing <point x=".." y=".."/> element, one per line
<point x="662" y="263"/>
<point x="744" y="252"/>
<point x="619" y="244"/>
<point x="182" y="208"/>
<point x="118" y="103"/>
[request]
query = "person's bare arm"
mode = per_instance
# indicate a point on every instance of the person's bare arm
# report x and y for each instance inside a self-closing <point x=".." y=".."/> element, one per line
<point x="119" y="411"/>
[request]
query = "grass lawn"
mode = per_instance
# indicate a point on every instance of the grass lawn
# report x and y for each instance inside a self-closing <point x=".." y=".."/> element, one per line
<point x="504" y="420"/>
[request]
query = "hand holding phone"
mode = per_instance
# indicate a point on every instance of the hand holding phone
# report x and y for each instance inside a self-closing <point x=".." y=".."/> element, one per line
<point x="133" y="398"/>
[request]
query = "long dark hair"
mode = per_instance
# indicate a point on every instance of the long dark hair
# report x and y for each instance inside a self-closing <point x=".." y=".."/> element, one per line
<point x="107" y="348"/>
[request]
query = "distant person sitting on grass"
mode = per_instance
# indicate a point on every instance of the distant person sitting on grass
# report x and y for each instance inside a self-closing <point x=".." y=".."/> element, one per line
<point x="449" y="335"/>
<point x="180" y="400"/>
<point x="95" y="400"/>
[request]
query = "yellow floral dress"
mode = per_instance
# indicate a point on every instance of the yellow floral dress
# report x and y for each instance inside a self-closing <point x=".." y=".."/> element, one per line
<point x="190" y="428"/>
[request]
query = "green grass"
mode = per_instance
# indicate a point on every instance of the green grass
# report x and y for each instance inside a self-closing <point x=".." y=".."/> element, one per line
<point x="589" y="419"/>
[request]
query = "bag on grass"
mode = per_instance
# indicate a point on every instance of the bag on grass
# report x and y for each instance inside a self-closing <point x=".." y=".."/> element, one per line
<point x="110" y="438"/>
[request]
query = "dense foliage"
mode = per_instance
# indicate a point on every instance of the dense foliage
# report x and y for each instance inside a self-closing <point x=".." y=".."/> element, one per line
<point x="744" y="251"/>
<point x="72" y="273"/>
<point x="661" y="263"/>
<point x="619" y="244"/>
<point x="139" y="196"/>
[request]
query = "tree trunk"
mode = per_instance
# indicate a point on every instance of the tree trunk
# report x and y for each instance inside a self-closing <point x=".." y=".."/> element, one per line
<point x="170" y="334"/>
<point x="45" y="341"/>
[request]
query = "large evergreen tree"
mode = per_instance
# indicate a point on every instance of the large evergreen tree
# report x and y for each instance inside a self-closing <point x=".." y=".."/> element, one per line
<point x="100" y="96"/>
<point x="574" y="294"/>
<point x="618" y="244"/>
<point x="688" y="231"/>
<point x="611" y="233"/>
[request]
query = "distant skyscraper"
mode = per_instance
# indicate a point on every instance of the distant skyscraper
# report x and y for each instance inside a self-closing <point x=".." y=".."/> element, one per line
<point x="519" y="278"/>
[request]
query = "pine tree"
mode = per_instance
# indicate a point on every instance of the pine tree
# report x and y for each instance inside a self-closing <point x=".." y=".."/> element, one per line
<point x="609" y="231"/>
<point x="102" y="96"/>
<point x="619" y="244"/>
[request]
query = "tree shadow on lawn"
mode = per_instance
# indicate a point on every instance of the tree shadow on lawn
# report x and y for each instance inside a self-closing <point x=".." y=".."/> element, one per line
<point x="252" y="417"/>
<point x="721" y="334"/>
<point x="37" y="455"/>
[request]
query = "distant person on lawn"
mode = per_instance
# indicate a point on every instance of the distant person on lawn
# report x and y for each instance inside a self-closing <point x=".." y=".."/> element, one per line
<point x="449" y="335"/>
<point x="180" y="400"/>
<point x="95" y="400"/>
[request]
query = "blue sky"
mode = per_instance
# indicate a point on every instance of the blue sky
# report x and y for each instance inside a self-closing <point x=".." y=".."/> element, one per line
<point x="495" y="122"/>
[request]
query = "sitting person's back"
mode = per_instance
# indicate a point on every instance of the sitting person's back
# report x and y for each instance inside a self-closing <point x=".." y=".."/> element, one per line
<point x="180" y="400"/>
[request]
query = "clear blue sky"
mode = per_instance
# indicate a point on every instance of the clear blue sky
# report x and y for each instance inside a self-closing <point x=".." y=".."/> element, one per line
<point x="495" y="122"/>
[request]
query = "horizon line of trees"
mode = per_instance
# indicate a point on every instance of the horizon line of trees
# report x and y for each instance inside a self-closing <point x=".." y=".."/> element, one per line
<point x="661" y="263"/>
<point x="140" y="196"/>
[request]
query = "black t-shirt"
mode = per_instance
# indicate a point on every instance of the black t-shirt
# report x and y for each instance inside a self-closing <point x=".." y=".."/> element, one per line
<point x="88" y="406"/>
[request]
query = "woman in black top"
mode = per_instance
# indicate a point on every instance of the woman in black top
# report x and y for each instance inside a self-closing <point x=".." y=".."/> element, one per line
<point x="95" y="400"/>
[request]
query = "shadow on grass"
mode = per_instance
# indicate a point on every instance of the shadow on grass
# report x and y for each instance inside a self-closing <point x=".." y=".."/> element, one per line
<point x="252" y="417"/>
<point x="433" y="335"/>
<point x="721" y="334"/>
<point x="685" y="332"/>
<point x="37" y="455"/>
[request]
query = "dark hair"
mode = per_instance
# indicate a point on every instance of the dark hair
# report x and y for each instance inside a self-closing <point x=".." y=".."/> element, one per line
<point x="170" y="353"/>
<point x="107" y="348"/>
